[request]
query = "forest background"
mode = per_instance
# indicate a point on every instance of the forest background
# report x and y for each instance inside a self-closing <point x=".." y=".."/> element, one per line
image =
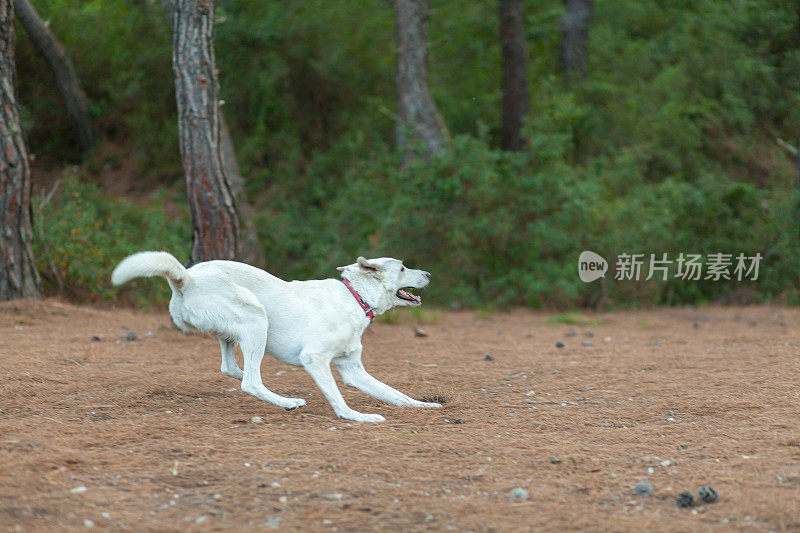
<point x="675" y="141"/>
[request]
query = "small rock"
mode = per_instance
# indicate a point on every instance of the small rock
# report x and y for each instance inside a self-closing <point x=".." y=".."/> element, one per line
<point x="559" y="344"/>
<point x="256" y="419"/>
<point x="650" y="470"/>
<point x="518" y="494"/>
<point x="331" y="495"/>
<point x="106" y="515"/>
<point x="708" y="494"/>
<point x="273" y="522"/>
<point x="643" y="489"/>
<point x="275" y="484"/>
<point x="78" y="490"/>
<point x="665" y="463"/>
<point x="696" y="325"/>
<point x="685" y="499"/>
<point x="488" y="357"/>
<point x="607" y="339"/>
<point x="555" y="460"/>
<point x="419" y="332"/>
<point x="456" y="421"/>
<point x="201" y="519"/>
<point x="131" y="336"/>
<point x="95" y="338"/>
<point x="88" y="523"/>
<point x="684" y="447"/>
<point x="570" y="334"/>
<point x="589" y="334"/>
<point x="530" y="393"/>
<point x="587" y="343"/>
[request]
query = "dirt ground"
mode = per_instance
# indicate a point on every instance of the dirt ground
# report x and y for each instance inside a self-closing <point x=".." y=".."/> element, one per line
<point x="148" y="435"/>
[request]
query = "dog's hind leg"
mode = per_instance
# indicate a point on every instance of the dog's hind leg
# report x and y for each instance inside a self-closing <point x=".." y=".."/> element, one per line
<point x="243" y="319"/>
<point x="320" y="372"/>
<point x="229" y="365"/>
<point x="354" y="374"/>
<point x="253" y="343"/>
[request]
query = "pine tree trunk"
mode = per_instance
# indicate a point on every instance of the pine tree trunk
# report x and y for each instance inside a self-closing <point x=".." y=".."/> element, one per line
<point x="515" y="72"/>
<point x="418" y="117"/>
<point x="46" y="43"/>
<point x="575" y="37"/>
<point x="252" y="254"/>
<point x="215" y="226"/>
<point x="19" y="277"/>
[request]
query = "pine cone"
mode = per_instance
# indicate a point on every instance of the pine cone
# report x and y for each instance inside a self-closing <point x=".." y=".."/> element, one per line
<point x="685" y="499"/>
<point x="708" y="494"/>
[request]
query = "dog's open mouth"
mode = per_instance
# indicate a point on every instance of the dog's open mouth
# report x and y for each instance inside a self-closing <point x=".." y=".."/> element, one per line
<point x="405" y="295"/>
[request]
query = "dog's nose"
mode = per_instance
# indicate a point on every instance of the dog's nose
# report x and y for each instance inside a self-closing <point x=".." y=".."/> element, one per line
<point x="427" y="275"/>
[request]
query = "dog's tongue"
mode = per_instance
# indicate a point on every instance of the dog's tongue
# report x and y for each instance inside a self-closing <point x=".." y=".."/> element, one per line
<point x="409" y="296"/>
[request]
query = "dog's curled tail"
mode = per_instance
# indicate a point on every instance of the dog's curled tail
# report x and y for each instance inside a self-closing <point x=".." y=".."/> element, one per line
<point x="149" y="264"/>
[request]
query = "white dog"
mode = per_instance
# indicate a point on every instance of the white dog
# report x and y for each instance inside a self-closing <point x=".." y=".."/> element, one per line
<point x="310" y="323"/>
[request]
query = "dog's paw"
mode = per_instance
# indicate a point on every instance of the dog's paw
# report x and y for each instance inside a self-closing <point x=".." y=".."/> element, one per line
<point x="411" y="402"/>
<point x="293" y="403"/>
<point x="236" y="374"/>
<point x="362" y="417"/>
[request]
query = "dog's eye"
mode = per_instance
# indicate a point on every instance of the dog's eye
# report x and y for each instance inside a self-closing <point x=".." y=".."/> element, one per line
<point x="402" y="269"/>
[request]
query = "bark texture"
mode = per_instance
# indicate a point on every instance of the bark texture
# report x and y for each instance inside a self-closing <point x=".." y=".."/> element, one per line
<point x="418" y="117"/>
<point x="515" y="72"/>
<point x="19" y="277"/>
<point x="215" y="226"/>
<point x="251" y="251"/>
<point x="46" y="43"/>
<point x="574" y="37"/>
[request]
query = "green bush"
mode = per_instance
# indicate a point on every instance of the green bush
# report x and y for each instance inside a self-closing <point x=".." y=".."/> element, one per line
<point x="501" y="228"/>
<point x="80" y="235"/>
<point x="667" y="146"/>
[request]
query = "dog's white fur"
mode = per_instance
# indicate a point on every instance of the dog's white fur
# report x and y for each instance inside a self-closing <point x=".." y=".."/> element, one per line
<point x="308" y="323"/>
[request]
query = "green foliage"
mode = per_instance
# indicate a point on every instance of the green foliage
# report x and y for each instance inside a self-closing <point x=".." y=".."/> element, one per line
<point x="667" y="147"/>
<point x="81" y="235"/>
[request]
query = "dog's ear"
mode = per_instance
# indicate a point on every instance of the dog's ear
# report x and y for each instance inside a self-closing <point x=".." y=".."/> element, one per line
<point x="363" y="263"/>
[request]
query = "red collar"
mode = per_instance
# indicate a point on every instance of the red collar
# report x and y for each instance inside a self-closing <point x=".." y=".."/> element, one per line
<point x="364" y="305"/>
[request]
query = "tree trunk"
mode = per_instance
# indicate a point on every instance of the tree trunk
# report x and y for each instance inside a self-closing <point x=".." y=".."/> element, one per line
<point x="251" y="252"/>
<point x="574" y="37"/>
<point x="19" y="277"/>
<point x="418" y="117"/>
<point x="515" y="72"/>
<point x="215" y="227"/>
<point x="46" y="43"/>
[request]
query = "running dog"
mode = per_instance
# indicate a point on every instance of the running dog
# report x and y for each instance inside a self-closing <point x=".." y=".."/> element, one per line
<point x="306" y="323"/>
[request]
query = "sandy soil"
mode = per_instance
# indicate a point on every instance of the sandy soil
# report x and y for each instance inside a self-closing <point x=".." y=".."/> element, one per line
<point x="148" y="435"/>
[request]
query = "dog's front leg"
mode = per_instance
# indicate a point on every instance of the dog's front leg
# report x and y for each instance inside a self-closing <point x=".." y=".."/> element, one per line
<point x="354" y="374"/>
<point x="320" y="371"/>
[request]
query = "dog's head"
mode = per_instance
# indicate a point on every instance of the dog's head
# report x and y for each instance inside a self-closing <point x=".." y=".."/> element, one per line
<point x="382" y="282"/>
